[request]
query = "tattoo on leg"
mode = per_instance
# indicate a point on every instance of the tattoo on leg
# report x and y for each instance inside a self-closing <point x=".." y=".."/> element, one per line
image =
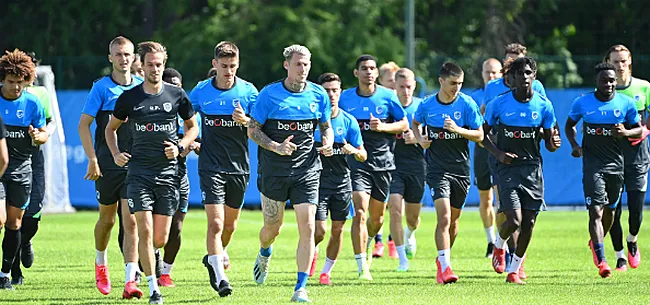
<point x="271" y="210"/>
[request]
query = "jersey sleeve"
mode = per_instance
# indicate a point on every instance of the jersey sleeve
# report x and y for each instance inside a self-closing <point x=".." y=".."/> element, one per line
<point x="325" y="109"/>
<point x="121" y="111"/>
<point x="491" y="115"/>
<point x="473" y="115"/>
<point x="3" y="128"/>
<point x="548" y="121"/>
<point x="185" y="109"/>
<point x="93" y="101"/>
<point x="354" y="133"/>
<point x="631" y="115"/>
<point x="539" y="87"/>
<point x="395" y="108"/>
<point x="194" y="98"/>
<point x="38" y="115"/>
<point x="575" y="113"/>
<point x="252" y="98"/>
<point x="418" y="115"/>
<point x="260" y="110"/>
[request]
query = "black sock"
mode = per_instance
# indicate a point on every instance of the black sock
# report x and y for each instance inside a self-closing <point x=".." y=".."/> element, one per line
<point x="616" y="232"/>
<point x="390" y="237"/>
<point x="120" y="234"/>
<point x="28" y="230"/>
<point x="635" y="201"/>
<point x="10" y="245"/>
<point x="379" y="238"/>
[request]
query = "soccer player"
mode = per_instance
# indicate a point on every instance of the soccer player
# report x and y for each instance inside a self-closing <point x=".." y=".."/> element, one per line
<point x="223" y="163"/>
<point x="518" y="116"/>
<point x="409" y="177"/>
<point x="173" y="245"/>
<point x="491" y="70"/>
<point x="110" y="178"/>
<point x="449" y="118"/>
<point x="152" y="109"/>
<point x="136" y="66"/>
<point x="282" y="123"/>
<point x="335" y="193"/>
<point x="381" y="117"/>
<point x="604" y="113"/>
<point x="637" y="159"/>
<point x="24" y="117"/>
<point x="386" y="78"/>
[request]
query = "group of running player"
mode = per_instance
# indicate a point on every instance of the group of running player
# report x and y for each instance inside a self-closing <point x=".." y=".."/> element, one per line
<point x="327" y="151"/>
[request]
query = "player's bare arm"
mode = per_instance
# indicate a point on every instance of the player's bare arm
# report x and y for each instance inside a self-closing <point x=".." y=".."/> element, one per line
<point x="327" y="138"/>
<point x="394" y="128"/>
<point x="571" y="132"/>
<point x="191" y="131"/>
<point x="120" y="158"/>
<point x="286" y="148"/>
<point x="552" y="139"/>
<point x="93" y="172"/>
<point x="423" y="140"/>
<point x="472" y="135"/>
<point x="38" y="135"/>
<point x="635" y="132"/>
<point x="503" y="157"/>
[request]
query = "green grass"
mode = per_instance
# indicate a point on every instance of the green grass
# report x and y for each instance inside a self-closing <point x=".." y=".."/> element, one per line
<point x="559" y="266"/>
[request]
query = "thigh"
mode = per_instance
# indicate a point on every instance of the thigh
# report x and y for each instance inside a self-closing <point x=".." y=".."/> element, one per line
<point x="236" y="186"/>
<point x="380" y="185"/>
<point x="482" y="178"/>
<point x="304" y="188"/>
<point x="273" y="211"/>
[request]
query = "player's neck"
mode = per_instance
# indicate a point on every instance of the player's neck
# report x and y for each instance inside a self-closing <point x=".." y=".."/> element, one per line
<point x="367" y="89"/>
<point x="293" y="85"/>
<point x="335" y="112"/>
<point x="224" y="84"/>
<point x="405" y="101"/>
<point x="446" y="98"/>
<point x="604" y="97"/>
<point x="122" y="78"/>
<point x="152" y="88"/>
<point x="8" y="96"/>
<point x="523" y="95"/>
<point x="624" y="81"/>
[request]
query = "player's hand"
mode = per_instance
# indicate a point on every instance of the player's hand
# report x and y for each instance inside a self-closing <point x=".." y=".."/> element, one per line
<point x="506" y="157"/>
<point x="121" y="159"/>
<point x="576" y="151"/>
<point x="636" y="141"/>
<point x="450" y="125"/>
<point x="348" y="149"/>
<point x="171" y="150"/>
<point x="556" y="141"/>
<point x="376" y="124"/>
<point x="239" y="115"/>
<point x="327" y="149"/>
<point x="424" y="141"/>
<point x="619" y="130"/>
<point x="93" y="173"/>
<point x="286" y="148"/>
<point x="409" y="137"/>
<point x="196" y="147"/>
<point x="37" y="136"/>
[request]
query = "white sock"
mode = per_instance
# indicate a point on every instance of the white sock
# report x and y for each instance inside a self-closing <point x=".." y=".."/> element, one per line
<point x="515" y="264"/>
<point x="329" y="264"/>
<point x="101" y="257"/>
<point x="408" y="233"/>
<point x="216" y="262"/>
<point x="444" y="257"/>
<point x="401" y="252"/>
<point x="153" y="284"/>
<point x="489" y="232"/>
<point x="620" y="254"/>
<point x="631" y="238"/>
<point x="130" y="270"/>
<point x="167" y="268"/>
<point x="315" y="250"/>
<point x="361" y="261"/>
<point x="2" y="274"/>
<point x="501" y="243"/>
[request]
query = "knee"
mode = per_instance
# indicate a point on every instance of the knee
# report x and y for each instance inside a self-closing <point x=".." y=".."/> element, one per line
<point x="444" y="222"/>
<point x="230" y="227"/>
<point x="215" y="226"/>
<point x="396" y="215"/>
<point x="319" y="233"/>
<point x="107" y="220"/>
<point x="360" y="216"/>
<point x="337" y="231"/>
<point x="12" y="225"/>
<point x="513" y="222"/>
<point x="274" y="229"/>
<point x="159" y="241"/>
<point x="412" y="221"/>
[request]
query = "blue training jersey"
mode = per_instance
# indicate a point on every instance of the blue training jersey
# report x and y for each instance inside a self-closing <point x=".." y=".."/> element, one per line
<point x="285" y="113"/>
<point x="497" y="87"/>
<point x="336" y="169"/>
<point x="449" y="151"/>
<point x="601" y="151"/>
<point x="384" y="105"/>
<point x="224" y="142"/>
<point x="18" y="115"/>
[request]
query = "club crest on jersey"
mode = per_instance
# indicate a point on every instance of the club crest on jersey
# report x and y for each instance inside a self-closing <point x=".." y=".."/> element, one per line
<point x="534" y="115"/>
<point x="20" y="114"/>
<point x="339" y="130"/>
<point x="617" y="112"/>
<point x="313" y="107"/>
<point x="379" y="109"/>
<point x="167" y="107"/>
<point x="457" y="115"/>
<point x="235" y="102"/>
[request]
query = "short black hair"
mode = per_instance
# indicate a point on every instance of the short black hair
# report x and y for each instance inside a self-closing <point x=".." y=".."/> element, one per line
<point x="450" y="69"/>
<point x="362" y="58"/>
<point x="170" y="73"/>
<point x="328" y="77"/>
<point x="518" y="64"/>
<point x="604" y="66"/>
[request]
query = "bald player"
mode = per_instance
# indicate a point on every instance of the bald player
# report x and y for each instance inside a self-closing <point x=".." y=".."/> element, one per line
<point x="482" y="178"/>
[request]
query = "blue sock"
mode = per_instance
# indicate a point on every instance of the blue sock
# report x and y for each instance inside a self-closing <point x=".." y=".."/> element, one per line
<point x="379" y="238"/>
<point x="600" y="252"/>
<point x="390" y="237"/>
<point x="302" y="280"/>
<point x="266" y="252"/>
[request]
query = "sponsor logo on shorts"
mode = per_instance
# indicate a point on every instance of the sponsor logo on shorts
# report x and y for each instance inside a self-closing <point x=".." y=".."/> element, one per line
<point x="217" y="122"/>
<point x="18" y="134"/>
<point x="588" y="200"/>
<point x="98" y="194"/>
<point x="203" y="196"/>
<point x="296" y="126"/>
<point x="598" y="131"/>
<point x="518" y="134"/>
<point x="155" y="127"/>
<point x="131" y="204"/>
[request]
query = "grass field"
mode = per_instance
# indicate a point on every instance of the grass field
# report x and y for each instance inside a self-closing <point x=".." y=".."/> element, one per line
<point x="559" y="266"/>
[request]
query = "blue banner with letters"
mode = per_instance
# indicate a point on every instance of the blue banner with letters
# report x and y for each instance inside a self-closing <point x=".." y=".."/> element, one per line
<point x="562" y="173"/>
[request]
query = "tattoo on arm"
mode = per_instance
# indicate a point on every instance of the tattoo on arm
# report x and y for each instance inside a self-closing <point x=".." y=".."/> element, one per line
<point x="326" y="131"/>
<point x="273" y="210"/>
<point x="256" y="134"/>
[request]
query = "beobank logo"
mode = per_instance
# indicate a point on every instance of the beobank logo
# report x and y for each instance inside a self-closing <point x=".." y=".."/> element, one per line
<point x="518" y="134"/>
<point x="443" y="135"/>
<point x="155" y="127"/>
<point x="218" y="122"/>
<point x="364" y="126"/>
<point x="296" y="126"/>
<point x="598" y="131"/>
